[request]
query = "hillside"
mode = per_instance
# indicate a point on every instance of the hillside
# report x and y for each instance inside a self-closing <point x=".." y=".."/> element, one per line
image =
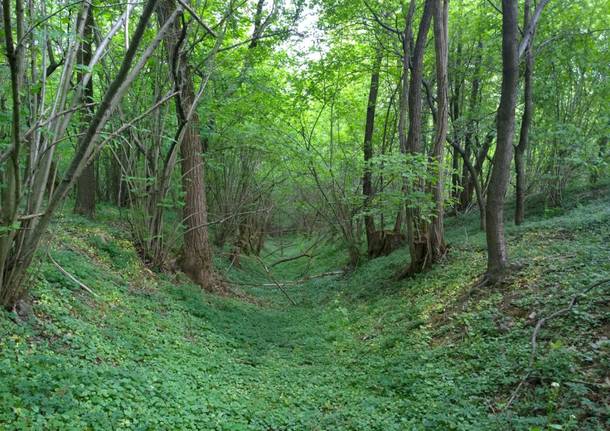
<point x="360" y="351"/>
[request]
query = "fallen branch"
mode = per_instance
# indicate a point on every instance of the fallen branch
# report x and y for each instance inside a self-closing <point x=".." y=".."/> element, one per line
<point x="312" y="277"/>
<point x="537" y="328"/>
<point x="295" y="282"/>
<point x="70" y="276"/>
<point x="289" y="259"/>
<point x="278" y="285"/>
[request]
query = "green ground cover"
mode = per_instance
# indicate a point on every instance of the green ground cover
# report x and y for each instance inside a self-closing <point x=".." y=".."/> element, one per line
<point x="358" y="352"/>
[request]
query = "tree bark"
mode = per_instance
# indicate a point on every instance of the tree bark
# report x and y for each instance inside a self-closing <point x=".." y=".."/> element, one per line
<point x="413" y="144"/>
<point x="86" y="183"/>
<point x="468" y="181"/>
<point x="526" y="121"/>
<point x="196" y="259"/>
<point x="437" y="233"/>
<point x="367" y="178"/>
<point x="497" y="259"/>
<point x="477" y="185"/>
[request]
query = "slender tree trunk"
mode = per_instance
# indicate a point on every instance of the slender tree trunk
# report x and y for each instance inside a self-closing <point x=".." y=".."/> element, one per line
<point x="526" y="121"/>
<point x="196" y="260"/>
<point x="437" y="233"/>
<point x="367" y="178"/>
<point x="478" y="167"/>
<point x="86" y="183"/>
<point x="497" y="259"/>
<point x="477" y="185"/>
<point x="417" y="242"/>
<point x="471" y="130"/>
<point x="12" y="287"/>
<point x="455" y="104"/>
<point x="10" y="179"/>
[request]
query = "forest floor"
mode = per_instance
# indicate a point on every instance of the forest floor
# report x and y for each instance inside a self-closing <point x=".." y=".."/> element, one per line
<point x="357" y="352"/>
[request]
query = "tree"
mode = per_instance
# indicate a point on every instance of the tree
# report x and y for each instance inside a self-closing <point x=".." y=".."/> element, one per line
<point x="21" y="233"/>
<point x="86" y="183"/>
<point x="497" y="258"/>
<point x="417" y="236"/>
<point x="526" y="121"/>
<point x="196" y="259"/>
<point x="441" y="36"/>
<point x="367" y="178"/>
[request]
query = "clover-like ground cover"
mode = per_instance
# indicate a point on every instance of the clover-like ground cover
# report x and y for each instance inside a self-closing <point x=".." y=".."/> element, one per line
<point x="357" y="352"/>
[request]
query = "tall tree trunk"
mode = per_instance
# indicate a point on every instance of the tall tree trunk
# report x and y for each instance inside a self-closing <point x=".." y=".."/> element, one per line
<point x="417" y="242"/>
<point x="526" y="121"/>
<point x="477" y="185"/>
<point x="471" y="130"/>
<point x="455" y="104"/>
<point x="12" y="287"/>
<point x="497" y="259"/>
<point x="196" y="260"/>
<point x="403" y="101"/>
<point x="441" y="36"/>
<point x="10" y="179"/>
<point x="367" y="178"/>
<point x="86" y="184"/>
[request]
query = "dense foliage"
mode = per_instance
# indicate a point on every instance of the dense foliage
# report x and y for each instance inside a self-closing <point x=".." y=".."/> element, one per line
<point x="357" y="159"/>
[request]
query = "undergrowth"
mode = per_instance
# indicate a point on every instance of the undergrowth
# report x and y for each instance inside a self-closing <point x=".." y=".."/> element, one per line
<point x="359" y="351"/>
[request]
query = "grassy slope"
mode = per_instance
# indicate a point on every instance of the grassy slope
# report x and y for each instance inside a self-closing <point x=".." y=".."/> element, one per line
<point x="361" y="352"/>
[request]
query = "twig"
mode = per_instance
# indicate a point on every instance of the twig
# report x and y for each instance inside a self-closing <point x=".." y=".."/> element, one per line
<point x="539" y="325"/>
<point x="295" y="282"/>
<point x="290" y="259"/>
<point x="279" y="286"/>
<point x="70" y="276"/>
<point x="197" y="18"/>
<point x="29" y="216"/>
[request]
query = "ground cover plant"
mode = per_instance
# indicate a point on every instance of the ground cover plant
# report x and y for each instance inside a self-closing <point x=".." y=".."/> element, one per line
<point x="304" y="215"/>
<point x="359" y="351"/>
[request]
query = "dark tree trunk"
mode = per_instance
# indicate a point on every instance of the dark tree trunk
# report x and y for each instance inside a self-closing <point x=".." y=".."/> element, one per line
<point x="456" y="112"/>
<point x="437" y="232"/>
<point x="367" y="178"/>
<point x="468" y="181"/>
<point x="86" y="185"/>
<point x="497" y="259"/>
<point x="413" y="145"/>
<point x="455" y="170"/>
<point x="403" y="103"/>
<point x="196" y="260"/>
<point x="477" y="185"/>
<point x="478" y="168"/>
<point x="526" y="121"/>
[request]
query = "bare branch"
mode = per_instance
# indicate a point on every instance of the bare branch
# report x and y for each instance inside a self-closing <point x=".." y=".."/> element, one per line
<point x="531" y="27"/>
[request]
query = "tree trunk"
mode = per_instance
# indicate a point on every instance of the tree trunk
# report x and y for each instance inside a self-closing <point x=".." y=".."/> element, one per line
<point x="437" y="233"/>
<point x="86" y="184"/>
<point x="468" y="181"/>
<point x="413" y="144"/>
<point x="478" y="168"/>
<point x="497" y="259"/>
<point x="196" y="260"/>
<point x="477" y="185"/>
<point x="456" y="113"/>
<point x="12" y="286"/>
<point x="367" y="178"/>
<point x="526" y="121"/>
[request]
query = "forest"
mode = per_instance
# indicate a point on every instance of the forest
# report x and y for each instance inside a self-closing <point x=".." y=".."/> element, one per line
<point x="305" y="215"/>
